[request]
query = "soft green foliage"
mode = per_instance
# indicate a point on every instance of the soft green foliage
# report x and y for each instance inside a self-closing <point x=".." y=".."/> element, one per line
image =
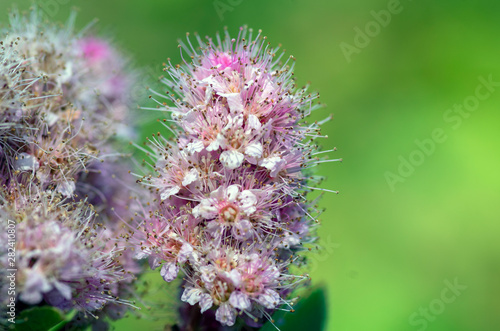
<point x="441" y="223"/>
<point x="310" y="314"/>
<point x="42" y="318"/>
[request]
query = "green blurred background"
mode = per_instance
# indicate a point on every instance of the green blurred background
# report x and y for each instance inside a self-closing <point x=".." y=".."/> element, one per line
<point x="390" y="243"/>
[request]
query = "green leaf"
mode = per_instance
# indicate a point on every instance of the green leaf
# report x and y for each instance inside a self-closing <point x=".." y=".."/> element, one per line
<point x="41" y="318"/>
<point x="69" y="316"/>
<point x="310" y="314"/>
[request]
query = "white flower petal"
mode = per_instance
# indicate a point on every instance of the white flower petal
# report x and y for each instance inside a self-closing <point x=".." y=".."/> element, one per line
<point x="169" y="191"/>
<point x="253" y="122"/>
<point x="206" y="302"/>
<point x="226" y="314"/>
<point x="205" y="209"/>
<point x="231" y="159"/>
<point x="273" y="272"/>
<point x="191" y="295"/>
<point x="139" y="255"/>
<point x="207" y="274"/>
<point x="190" y="177"/>
<point x="242" y="229"/>
<point x="254" y="150"/>
<point x="185" y="253"/>
<point x="248" y="200"/>
<point x="64" y="289"/>
<point x="267" y="90"/>
<point x="237" y="121"/>
<point x="154" y="262"/>
<point x="240" y="300"/>
<point x="194" y="258"/>
<point x="234" y="122"/>
<point x="217" y="194"/>
<point x="269" y="299"/>
<point x="214" y="145"/>
<point x="66" y="188"/>
<point x="216" y="85"/>
<point x="169" y="271"/>
<point x="31" y="297"/>
<point x="51" y="118"/>
<point x="273" y="163"/>
<point x="194" y="147"/>
<point x="290" y="240"/>
<point x="208" y="92"/>
<point x="221" y="140"/>
<point x="190" y="116"/>
<point x="234" y="102"/>
<point x="26" y="162"/>
<point x="232" y="192"/>
<point x="234" y="276"/>
<point x="214" y="228"/>
<point x="270" y="162"/>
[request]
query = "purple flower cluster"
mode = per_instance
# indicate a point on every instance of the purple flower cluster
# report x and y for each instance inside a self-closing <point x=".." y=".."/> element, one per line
<point x="62" y="256"/>
<point x="230" y="210"/>
<point x="62" y="99"/>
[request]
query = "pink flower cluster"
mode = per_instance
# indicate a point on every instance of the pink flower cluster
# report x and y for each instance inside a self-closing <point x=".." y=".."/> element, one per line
<point x="61" y="97"/>
<point x="231" y="211"/>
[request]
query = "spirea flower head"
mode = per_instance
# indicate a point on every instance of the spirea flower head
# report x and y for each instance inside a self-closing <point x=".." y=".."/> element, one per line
<point x="63" y="97"/>
<point x="61" y="102"/>
<point x="230" y="211"/>
<point x="62" y="253"/>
